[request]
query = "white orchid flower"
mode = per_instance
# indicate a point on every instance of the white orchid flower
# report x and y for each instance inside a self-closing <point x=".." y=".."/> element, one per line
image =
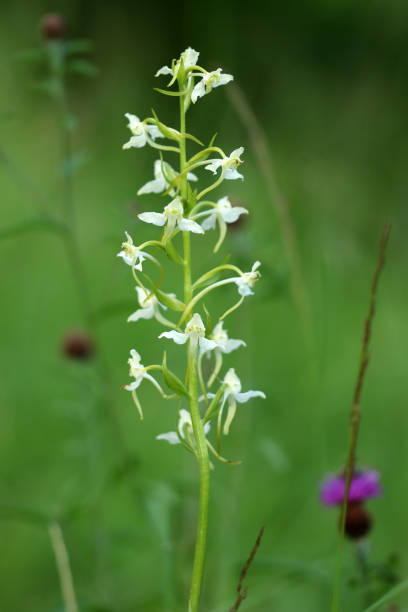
<point x="150" y="306"/>
<point x="223" y="212"/>
<point x="209" y="81"/>
<point x="172" y="217"/>
<point x="141" y="132"/>
<point x="132" y="255"/>
<point x="224" y="343"/>
<point x="247" y="280"/>
<point x="195" y="332"/>
<point x="163" y="176"/>
<point x="139" y="373"/>
<point x="185" y="430"/>
<point x="232" y="395"/>
<point x="228" y="165"/>
<point x="189" y="57"/>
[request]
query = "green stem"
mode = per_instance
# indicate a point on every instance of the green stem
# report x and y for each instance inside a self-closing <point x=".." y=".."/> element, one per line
<point x="198" y="427"/>
<point x="63" y="567"/>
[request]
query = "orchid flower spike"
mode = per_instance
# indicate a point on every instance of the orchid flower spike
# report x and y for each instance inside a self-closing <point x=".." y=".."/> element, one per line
<point x="141" y="132"/>
<point x="189" y="58"/>
<point x="163" y="177"/>
<point x="208" y="82"/>
<point x="195" y="332"/>
<point x="150" y="306"/>
<point x="131" y="254"/>
<point x="246" y="282"/>
<point x="224" y="213"/>
<point x="228" y="165"/>
<point x="172" y="217"/>
<point x="184" y="430"/>
<point x="233" y="394"/>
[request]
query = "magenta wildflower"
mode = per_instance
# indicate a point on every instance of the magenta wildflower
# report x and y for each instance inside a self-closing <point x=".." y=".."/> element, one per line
<point x="363" y="486"/>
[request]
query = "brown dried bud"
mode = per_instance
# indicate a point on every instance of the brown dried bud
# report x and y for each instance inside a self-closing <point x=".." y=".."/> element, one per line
<point x="358" y="521"/>
<point x="78" y="345"/>
<point x="53" y="26"/>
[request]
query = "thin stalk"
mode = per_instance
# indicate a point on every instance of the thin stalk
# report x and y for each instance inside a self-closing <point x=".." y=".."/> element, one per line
<point x="355" y="414"/>
<point x="63" y="567"/>
<point x="198" y="427"/>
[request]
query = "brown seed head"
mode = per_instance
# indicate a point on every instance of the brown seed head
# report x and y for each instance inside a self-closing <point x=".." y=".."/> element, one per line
<point x="53" y="26"/>
<point x="358" y="521"/>
<point x="77" y="345"/>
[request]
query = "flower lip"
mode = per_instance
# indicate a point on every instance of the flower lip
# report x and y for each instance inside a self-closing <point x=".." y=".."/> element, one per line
<point x="364" y="485"/>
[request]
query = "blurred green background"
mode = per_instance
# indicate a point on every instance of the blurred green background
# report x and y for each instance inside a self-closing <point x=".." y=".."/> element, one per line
<point x="327" y="81"/>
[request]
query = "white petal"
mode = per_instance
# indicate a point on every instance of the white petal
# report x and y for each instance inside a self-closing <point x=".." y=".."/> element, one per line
<point x="207" y="345"/>
<point x="244" y="397"/>
<point x="207" y="427"/>
<point x="142" y="313"/>
<point x="163" y="70"/>
<point x="243" y="287"/>
<point x="134" y="385"/>
<point x="198" y="91"/>
<point x="153" y="217"/>
<point x="232" y="174"/>
<point x="214" y="165"/>
<point x="156" y="186"/>
<point x="190" y="57"/>
<point x="237" y="152"/>
<point x="191" y="176"/>
<point x="210" y="221"/>
<point x="154" y="132"/>
<point x="178" y="337"/>
<point x="231" y="345"/>
<point x="136" y="142"/>
<point x="230" y="216"/>
<point x="232" y="408"/>
<point x="133" y="121"/>
<point x="224" y="79"/>
<point x="171" y="437"/>
<point x="188" y="225"/>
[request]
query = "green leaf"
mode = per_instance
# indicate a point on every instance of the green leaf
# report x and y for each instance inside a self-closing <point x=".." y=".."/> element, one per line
<point x="79" y="46"/>
<point x="172" y="253"/>
<point x="172" y="381"/>
<point x="30" y="56"/>
<point x="83" y="67"/>
<point x="38" y="222"/>
<point x="170" y="302"/>
<point x="402" y="586"/>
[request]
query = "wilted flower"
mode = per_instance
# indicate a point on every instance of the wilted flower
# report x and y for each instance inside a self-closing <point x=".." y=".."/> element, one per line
<point x="141" y="132"/>
<point x="228" y="165"/>
<point x="163" y="176"/>
<point x="209" y="81"/>
<point x="363" y="486"/>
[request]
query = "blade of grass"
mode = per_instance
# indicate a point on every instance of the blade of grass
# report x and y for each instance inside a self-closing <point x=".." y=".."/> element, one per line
<point x="355" y="414"/>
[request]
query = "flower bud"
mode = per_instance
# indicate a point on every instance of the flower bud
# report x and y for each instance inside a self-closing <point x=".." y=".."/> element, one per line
<point x="358" y="521"/>
<point x="53" y="27"/>
<point x="77" y="345"/>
